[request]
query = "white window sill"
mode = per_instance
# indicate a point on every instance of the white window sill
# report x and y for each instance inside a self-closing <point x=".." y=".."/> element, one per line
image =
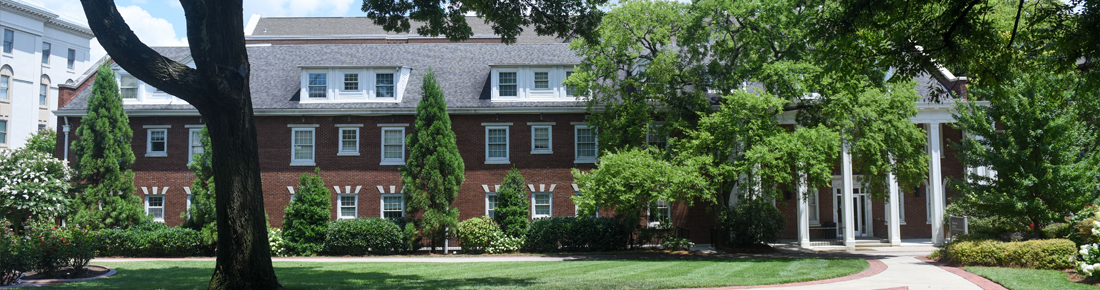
<point x="539" y="216"/>
<point x="302" y="163"/>
<point x="497" y="162"/>
<point x="347" y="154"/>
<point x="392" y="163"/>
<point x="542" y="152"/>
<point x="345" y="218"/>
<point x="815" y="224"/>
<point x="159" y="221"/>
<point x="156" y="154"/>
<point x="584" y="161"/>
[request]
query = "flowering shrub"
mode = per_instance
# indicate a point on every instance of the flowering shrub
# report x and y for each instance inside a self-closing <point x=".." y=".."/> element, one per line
<point x="477" y="234"/>
<point x="1088" y="260"/>
<point x="13" y="261"/>
<point x="275" y="240"/>
<point x="503" y="243"/>
<point x="32" y="184"/>
<point x="45" y="248"/>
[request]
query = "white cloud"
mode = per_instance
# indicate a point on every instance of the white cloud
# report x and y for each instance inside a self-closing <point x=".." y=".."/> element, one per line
<point x="298" y="7"/>
<point x="150" y="30"/>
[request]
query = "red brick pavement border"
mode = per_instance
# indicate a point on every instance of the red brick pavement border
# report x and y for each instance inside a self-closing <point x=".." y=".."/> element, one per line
<point x="973" y="278"/>
<point x="875" y="268"/>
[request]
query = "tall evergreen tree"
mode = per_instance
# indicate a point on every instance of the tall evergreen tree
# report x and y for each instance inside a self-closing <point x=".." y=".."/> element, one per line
<point x="434" y="171"/>
<point x="307" y="216"/>
<point x="202" y="212"/>
<point x="105" y="184"/>
<point x="512" y="205"/>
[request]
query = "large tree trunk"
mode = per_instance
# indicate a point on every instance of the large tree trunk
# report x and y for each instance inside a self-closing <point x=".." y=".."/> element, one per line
<point x="219" y="88"/>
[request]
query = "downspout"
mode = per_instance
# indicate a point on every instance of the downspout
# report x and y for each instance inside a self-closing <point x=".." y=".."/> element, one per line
<point x="65" y="129"/>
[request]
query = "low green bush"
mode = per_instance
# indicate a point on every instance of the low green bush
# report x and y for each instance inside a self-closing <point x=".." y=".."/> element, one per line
<point x="753" y="222"/>
<point x="1057" y="231"/>
<point x="1036" y="254"/>
<point x="677" y="244"/>
<point x="477" y="234"/>
<point x="13" y="258"/>
<point x="409" y="235"/>
<point x="152" y="241"/>
<point x="559" y="234"/>
<point x="361" y="236"/>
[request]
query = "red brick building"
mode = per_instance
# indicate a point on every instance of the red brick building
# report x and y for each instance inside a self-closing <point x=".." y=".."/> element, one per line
<point x="340" y="94"/>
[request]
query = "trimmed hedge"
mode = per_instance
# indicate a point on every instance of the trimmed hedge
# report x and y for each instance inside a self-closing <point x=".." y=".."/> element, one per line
<point x="358" y="237"/>
<point x="153" y="241"/>
<point x="477" y="234"/>
<point x="1036" y="254"/>
<point x="559" y="234"/>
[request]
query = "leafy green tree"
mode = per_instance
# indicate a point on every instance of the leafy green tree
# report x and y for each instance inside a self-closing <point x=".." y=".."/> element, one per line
<point x="306" y="218"/>
<point x="513" y="207"/>
<point x="564" y="18"/>
<point x="1032" y="135"/>
<point x="202" y="213"/>
<point x="44" y="141"/>
<point x="104" y="196"/>
<point x="32" y="183"/>
<point x="435" y="171"/>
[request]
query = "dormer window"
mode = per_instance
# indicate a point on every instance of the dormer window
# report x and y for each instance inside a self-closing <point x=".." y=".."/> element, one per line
<point x="353" y="84"/>
<point x="525" y="83"/>
<point x="128" y="86"/>
<point x="134" y="91"/>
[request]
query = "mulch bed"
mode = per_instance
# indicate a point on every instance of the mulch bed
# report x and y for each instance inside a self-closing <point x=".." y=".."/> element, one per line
<point x="68" y="273"/>
<point x="1078" y="278"/>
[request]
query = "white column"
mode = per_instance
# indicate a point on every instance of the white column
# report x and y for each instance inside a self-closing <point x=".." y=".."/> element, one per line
<point x="803" y="212"/>
<point x="935" y="183"/>
<point x="846" y="196"/>
<point x="894" y="210"/>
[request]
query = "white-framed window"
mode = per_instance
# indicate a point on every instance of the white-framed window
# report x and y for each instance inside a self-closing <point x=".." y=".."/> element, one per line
<point x="195" y="141"/>
<point x="508" y="86"/>
<point x="43" y="95"/>
<point x="491" y="204"/>
<point x="901" y="208"/>
<point x="317" y="86"/>
<point x="393" y="145"/>
<point x="351" y="82"/>
<point x="569" y="90"/>
<point x="46" y="53"/>
<point x="659" y="211"/>
<point x="815" y="215"/>
<point x="156" y="143"/>
<point x="70" y="59"/>
<point x="542" y="80"/>
<point x="128" y="87"/>
<point x="656" y="136"/>
<point x="154" y="205"/>
<point x="349" y="141"/>
<point x="9" y="40"/>
<point x="542" y="140"/>
<point x="393" y="205"/>
<point x="383" y="85"/>
<point x="3" y="131"/>
<point x="496" y="145"/>
<point x="41" y="127"/>
<point x="302" y="147"/>
<point x="927" y="202"/>
<point x="349" y="206"/>
<point x="585" y="144"/>
<point x="5" y="83"/>
<point x="542" y="204"/>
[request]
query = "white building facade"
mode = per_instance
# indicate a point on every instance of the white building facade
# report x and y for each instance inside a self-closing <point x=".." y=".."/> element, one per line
<point x="40" y="51"/>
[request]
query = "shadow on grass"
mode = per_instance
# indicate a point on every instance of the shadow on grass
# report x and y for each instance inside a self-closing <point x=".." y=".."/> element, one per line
<point x="290" y="278"/>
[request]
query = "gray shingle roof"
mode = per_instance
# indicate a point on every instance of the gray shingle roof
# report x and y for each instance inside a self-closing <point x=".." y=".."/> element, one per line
<point x="330" y="26"/>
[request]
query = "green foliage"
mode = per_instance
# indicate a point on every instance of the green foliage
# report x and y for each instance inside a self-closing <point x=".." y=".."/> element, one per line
<point x="1039" y="147"/>
<point x="203" y="212"/>
<point x="564" y="19"/>
<point x="503" y="243"/>
<point x="104" y="195"/>
<point x="410" y="240"/>
<point x="564" y="234"/>
<point x="360" y="236"/>
<point x="44" y="141"/>
<point x="752" y="222"/>
<point x="1036" y="254"/>
<point x="513" y="205"/>
<point x="435" y="171"/>
<point x="1081" y="226"/>
<point x="306" y="218"/>
<point x="32" y="184"/>
<point x="152" y="241"/>
<point x="677" y="244"/>
<point x="44" y="248"/>
<point x="986" y="227"/>
<point x="477" y="234"/>
<point x="13" y="259"/>
<point x="629" y="181"/>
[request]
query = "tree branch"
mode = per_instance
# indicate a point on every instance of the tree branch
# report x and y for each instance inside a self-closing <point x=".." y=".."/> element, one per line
<point x="1019" y="10"/>
<point x="142" y="62"/>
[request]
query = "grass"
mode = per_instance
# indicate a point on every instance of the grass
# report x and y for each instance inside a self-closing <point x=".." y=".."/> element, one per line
<point x="1026" y="279"/>
<point x="604" y="274"/>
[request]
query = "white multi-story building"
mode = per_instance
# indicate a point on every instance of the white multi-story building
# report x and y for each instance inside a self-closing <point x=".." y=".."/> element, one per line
<point x="40" y="51"/>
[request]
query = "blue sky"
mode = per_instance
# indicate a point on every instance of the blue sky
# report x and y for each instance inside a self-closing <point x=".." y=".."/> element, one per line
<point x="161" y="22"/>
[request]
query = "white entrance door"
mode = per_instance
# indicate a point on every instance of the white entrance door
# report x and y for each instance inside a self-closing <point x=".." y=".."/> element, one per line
<point x="862" y="213"/>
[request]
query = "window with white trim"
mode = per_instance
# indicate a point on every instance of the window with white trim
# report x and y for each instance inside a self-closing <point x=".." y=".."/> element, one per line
<point x="585" y="144"/>
<point x="542" y="80"/>
<point x="393" y="145"/>
<point x="349" y="141"/>
<point x="496" y="144"/>
<point x="351" y="81"/>
<point x="195" y="141"/>
<point x="508" y="82"/>
<point x="318" y="85"/>
<point x="901" y="208"/>
<point x="349" y="206"/>
<point x="70" y="59"/>
<point x="393" y="205"/>
<point x="512" y="83"/>
<point x="927" y="202"/>
<point x="46" y="53"/>
<point x="491" y="204"/>
<point x="302" y="146"/>
<point x="569" y="90"/>
<point x="154" y="205"/>
<point x="815" y="216"/>
<point x="43" y="95"/>
<point x="541" y="204"/>
<point x="541" y="140"/>
<point x="9" y="40"/>
<point x="128" y="87"/>
<point x="5" y="83"/>
<point x="656" y="136"/>
<point x="157" y="142"/>
<point x="3" y="131"/>
<point x="383" y="85"/>
<point x="659" y="211"/>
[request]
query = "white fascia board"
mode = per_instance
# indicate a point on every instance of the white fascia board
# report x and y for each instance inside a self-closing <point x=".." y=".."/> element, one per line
<point x="342" y="112"/>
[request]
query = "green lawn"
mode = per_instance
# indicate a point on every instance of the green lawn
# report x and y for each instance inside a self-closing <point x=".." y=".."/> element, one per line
<point x="616" y="274"/>
<point x="1027" y="279"/>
